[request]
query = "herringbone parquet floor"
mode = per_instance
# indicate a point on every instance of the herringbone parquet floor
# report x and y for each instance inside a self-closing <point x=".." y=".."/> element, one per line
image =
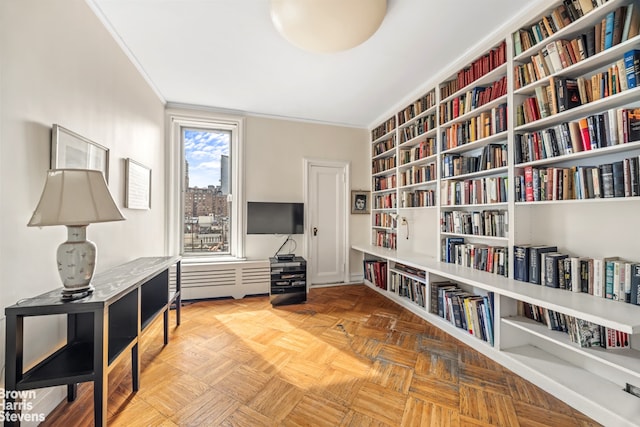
<point x="348" y="357"/>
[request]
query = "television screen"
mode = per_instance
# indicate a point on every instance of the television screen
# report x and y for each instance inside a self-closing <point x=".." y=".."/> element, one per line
<point x="275" y="218"/>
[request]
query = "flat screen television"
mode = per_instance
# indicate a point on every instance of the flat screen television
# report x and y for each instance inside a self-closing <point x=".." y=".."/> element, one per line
<point x="275" y="218"/>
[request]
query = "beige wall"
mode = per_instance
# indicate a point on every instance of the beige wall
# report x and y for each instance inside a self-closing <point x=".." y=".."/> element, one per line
<point x="59" y="65"/>
<point x="274" y="154"/>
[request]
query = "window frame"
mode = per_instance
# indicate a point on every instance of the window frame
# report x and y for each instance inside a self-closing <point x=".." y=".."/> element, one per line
<point x="178" y="121"/>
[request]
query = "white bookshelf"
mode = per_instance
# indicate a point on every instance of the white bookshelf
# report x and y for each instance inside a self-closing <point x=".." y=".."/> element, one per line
<point x="590" y="379"/>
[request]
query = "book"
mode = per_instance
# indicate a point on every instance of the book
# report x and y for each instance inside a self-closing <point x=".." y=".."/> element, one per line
<point x="583" y="124"/>
<point x="633" y="124"/>
<point x="634" y="288"/>
<point x="568" y="94"/>
<point x="632" y="67"/>
<point x="608" y="32"/>
<point x="521" y="262"/>
<point x="552" y="262"/>
<point x="618" y="22"/>
<point x="618" y="178"/>
<point x="535" y="266"/>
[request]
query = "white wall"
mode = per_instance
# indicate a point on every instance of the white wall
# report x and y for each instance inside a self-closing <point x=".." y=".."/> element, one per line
<point x="59" y="65"/>
<point x="274" y="154"/>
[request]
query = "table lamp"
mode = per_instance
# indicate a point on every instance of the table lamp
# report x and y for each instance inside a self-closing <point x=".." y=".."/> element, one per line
<point x="75" y="198"/>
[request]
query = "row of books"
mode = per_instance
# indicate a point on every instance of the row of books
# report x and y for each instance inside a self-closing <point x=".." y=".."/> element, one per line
<point x="493" y="223"/>
<point x="472" y="99"/>
<point x="492" y="259"/>
<point x="417" y="128"/>
<point x="382" y="147"/>
<point x="375" y="272"/>
<point x="381" y="183"/>
<point x="582" y="332"/>
<point x="470" y="312"/>
<point x="612" y="127"/>
<point x="478" y="68"/>
<point x="382" y="219"/>
<point x="610" y="278"/>
<point x="560" y="54"/>
<point x="485" y="124"/>
<point x="385" y="201"/>
<point x="561" y="16"/>
<point x="616" y="179"/>
<point x="562" y="94"/>
<point x="473" y="191"/>
<point x="409" y="288"/>
<point x="383" y="129"/>
<point x="418" y="198"/>
<point x="418" y="174"/>
<point x="418" y="107"/>
<point x="383" y="164"/>
<point x="424" y="149"/>
<point x="410" y="270"/>
<point x="491" y="156"/>
<point x="385" y="239"/>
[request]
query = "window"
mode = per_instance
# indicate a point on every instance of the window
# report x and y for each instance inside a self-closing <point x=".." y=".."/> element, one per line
<point x="205" y="186"/>
<point x="206" y="190"/>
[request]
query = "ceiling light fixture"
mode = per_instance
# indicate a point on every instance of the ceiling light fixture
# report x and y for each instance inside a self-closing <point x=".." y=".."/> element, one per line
<point x="327" y="25"/>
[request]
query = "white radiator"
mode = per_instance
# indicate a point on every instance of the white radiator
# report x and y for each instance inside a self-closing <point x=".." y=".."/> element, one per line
<point x="225" y="279"/>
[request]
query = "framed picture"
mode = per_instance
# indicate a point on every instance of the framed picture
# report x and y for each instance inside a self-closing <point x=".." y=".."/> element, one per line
<point x="138" y="185"/>
<point x="72" y="151"/>
<point x="359" y="202"/>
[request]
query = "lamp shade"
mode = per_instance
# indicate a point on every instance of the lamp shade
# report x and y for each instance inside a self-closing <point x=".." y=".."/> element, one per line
<point x="75" y="197"/>
<point x="327" y="25"/>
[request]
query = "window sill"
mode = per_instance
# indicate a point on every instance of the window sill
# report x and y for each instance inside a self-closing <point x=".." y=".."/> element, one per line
<point x="208" y="259"/>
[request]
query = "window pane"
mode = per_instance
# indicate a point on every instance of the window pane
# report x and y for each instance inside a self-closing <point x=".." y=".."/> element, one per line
<point x="207" y="187"/>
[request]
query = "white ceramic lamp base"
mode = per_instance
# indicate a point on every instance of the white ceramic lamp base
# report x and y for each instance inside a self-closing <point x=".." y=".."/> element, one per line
<point x="76" y="261"/>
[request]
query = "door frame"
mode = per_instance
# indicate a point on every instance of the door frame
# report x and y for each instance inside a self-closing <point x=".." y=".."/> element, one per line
<point x="346" y="166"/>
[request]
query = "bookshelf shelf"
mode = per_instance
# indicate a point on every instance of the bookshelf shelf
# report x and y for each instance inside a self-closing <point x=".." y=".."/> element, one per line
<point x="599" y="152"/>
<point x="627" y="97"/>
<point x="590" y="379"/>
<point x="490" y="77"/>
<point x="473" y="145"/>
<point x="486" y="172"/>
<point x="627" y="360"/>
<point x="591" y="63"/>
<point x="476" y="111"/>
<point x="573" y="29"/>
<point x="476" y="236"/>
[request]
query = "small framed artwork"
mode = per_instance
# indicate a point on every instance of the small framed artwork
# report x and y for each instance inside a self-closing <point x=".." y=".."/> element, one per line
<point x="138" y="185"/>
<point x="72" y="151"/>
<point x="359" y="202"/>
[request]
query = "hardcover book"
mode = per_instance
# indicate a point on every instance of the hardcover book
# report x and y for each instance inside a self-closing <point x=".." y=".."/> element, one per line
<point x="632" y="67"/>
<point x="552" y="260"/>
<point x="521" y="262"/>
<point x="635" y="284"/>
<point x="534" y="261"/>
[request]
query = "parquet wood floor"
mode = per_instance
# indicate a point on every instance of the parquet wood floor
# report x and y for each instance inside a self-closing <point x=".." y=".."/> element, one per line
<point x="348" y="357"/>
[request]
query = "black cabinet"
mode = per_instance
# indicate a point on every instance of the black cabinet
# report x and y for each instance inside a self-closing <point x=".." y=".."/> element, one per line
<point x="288" y="281"/>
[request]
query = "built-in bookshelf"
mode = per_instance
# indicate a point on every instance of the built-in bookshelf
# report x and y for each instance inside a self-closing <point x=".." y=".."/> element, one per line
<point x="524" y="164"/>
<point x="384" y="184"/>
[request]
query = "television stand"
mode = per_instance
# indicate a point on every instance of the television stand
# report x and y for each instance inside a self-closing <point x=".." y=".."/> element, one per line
<point x="288" y="281"/>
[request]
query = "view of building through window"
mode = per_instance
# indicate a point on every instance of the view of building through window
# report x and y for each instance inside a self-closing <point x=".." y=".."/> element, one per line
<point x="207" y="185"/>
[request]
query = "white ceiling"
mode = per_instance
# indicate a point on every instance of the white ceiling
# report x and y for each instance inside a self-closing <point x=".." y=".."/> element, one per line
<point x="226" y="54"/>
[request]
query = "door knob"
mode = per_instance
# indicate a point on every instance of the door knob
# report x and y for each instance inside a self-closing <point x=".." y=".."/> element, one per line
<point x="315" y="231"/>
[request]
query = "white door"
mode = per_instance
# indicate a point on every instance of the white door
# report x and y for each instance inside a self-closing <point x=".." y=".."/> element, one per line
<point x="327" y="221"/>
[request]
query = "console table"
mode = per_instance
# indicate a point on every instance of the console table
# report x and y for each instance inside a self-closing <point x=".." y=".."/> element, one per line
<point x="101" y="328"/>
